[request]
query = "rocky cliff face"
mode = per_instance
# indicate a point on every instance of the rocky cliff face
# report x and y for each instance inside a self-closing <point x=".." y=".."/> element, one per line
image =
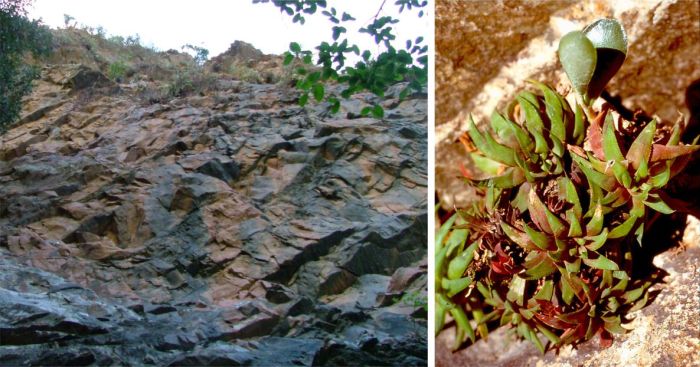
<point x="228" y="226"/>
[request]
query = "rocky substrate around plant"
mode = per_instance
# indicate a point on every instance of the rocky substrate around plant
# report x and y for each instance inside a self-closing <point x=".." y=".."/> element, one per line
<point x="665" y="333"/>
<point x="231" y="227"/>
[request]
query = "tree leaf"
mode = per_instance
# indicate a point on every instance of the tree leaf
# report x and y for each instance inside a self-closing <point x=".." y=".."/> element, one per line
<point x="378" y="112"/>
<point x="318" y="91"/>
<point x="303" y="99"/>
<point x="288" y="58"/>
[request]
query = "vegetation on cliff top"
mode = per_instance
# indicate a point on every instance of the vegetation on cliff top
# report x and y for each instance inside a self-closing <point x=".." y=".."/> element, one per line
<point x="18" y="36"/>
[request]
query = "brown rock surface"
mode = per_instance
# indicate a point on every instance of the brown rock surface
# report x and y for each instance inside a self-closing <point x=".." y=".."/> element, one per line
<point x="216" y="227"/>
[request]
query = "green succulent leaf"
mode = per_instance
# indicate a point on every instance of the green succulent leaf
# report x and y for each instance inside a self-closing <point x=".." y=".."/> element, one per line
<point x="598" y="241"/>
<point x="579" y="126"/>
<point x="488" y="146"/>
<point x="444" y="230"/>
<point x="578" y="58"/>
<point x="661" y="179"/>
<point x="533" y="122"/>
<point x="623" y="229"/>
<point x="440" y="314"/>
<point x="665" y="152"/>
<point x="543" y="217"/>
<point x="540" y="239"/>
<point x="456" y="241"/>
<point x="548" y="334"/>
<point x="498" y="121"/>
<point x="511" y="177"/>
<point x="601" y="180"/>
<point x="520" y="238"/>
<point x="609" y="39"/>
<point x="539" y="266"/>
<point x="546" y="291"/>
<point x="611" y="148"/>
<point x="464" y="328"/>
<point x="454" y="286"/>
<point x="595" y="225"/>
<point x="486" y="165"/>
<point x="459" y="264"/>
<point x="614" y="325"/>
<point x="516" y="291"/>
<point x="555" y="112"/>
<point x="640" y="151"/>
<point x="601" y="262"/>
<point x="659" y="205"/>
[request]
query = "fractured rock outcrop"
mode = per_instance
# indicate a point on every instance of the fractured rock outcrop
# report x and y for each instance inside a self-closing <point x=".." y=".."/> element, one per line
<point x="232" y="227"/>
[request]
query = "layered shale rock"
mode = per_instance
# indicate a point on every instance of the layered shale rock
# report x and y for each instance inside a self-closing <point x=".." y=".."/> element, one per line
<point x="226" y="227"/>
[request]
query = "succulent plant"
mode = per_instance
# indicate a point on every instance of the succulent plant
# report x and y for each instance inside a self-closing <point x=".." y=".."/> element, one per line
<point x="568" y="193"/>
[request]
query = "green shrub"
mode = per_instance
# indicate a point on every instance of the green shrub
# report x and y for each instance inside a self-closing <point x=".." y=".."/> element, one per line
<point x="201" y="53"/>
<point x="117" y="70"/>
<point x="18" y="36"/>
<point x="245" y="73"/>
<point x="188" y="82"/>
<point x="180" y="85"/>
<point x="117" y="40"/>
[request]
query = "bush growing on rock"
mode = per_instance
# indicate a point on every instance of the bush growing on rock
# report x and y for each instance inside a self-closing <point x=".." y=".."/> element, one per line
<point x="117" y="71"/>
<point x="19" y="36"/>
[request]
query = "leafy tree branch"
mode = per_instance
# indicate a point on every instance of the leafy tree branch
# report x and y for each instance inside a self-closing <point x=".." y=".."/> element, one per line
<point x="18" y="37"/>
<point x="373" y="73"/>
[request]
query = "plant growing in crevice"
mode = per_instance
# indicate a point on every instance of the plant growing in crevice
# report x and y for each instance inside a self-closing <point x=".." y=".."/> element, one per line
<point x="117" y="70"/>
<point x="568" y="194"/>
